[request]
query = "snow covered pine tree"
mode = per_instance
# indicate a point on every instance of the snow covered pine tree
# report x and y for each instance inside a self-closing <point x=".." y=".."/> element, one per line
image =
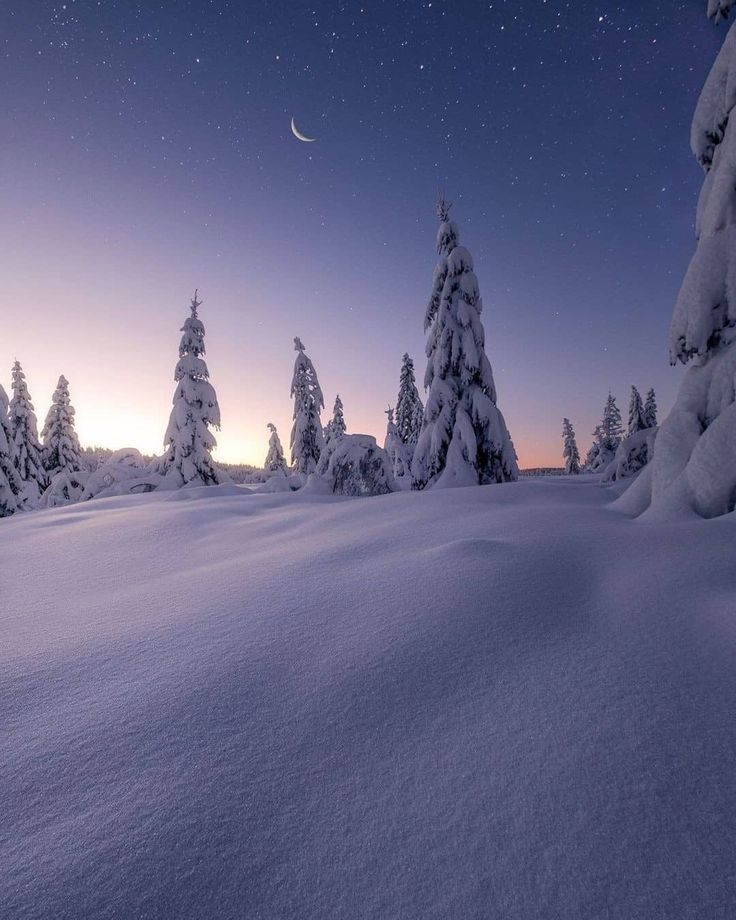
<point x="61" y="450"/>
<point x="336" y="428"/>
<point x="650" y="410"/>
<point x="409" y="408"/>
<point x="188" y="438"/>
<point x="306" y="434"/>
<point x="570" y="451"/>
<point x="275" y="461"/>
<point x="607" y="437"/>
<point x="25" y="446"/>
<point x="694" y="463"/>
<point x="399" y="454"/>
<point x="11" y="486"/>
<point x="636" y="413"/>
<point x="464" y="439"/>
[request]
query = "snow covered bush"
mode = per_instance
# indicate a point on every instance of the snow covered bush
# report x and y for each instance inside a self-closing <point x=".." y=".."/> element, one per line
<point x="275" y="461"/>
<point x="306" y="433"/>
<point x="632" y="455"/>
<point x="66" y="488"/>
<point x="464" y="439"/>
<point x="694" y="464"/>
<point x="25" y="447"/>
<point x="126" y="472"/>
<point x="355" y="465"/>
<point x="188" y="438"/>
<point x="570" y="451"/>
<point x="61" y="450"/>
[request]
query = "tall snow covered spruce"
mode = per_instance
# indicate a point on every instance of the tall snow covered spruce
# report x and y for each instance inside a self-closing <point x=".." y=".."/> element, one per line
<point x="409" y="408"/>
<point x="275" y="461"/>
<point x="694" y="462"/>
<point x="11" y="487"/>
<point x="464" y="439"/>
<point x="188" y="438"/>
<point x="570" y="451"/>
<point x="25" y="447"/>
<point x="61" y="450"/>
<point x="650" y="410"/>
<point x="307" y="439"/>
<point x="637" y="420"/>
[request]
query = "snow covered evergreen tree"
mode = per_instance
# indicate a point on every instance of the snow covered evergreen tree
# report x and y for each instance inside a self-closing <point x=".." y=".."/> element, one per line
<point x="591" y="458"/>
<point x="307" y="439"/>
<point x="570" y="451"/>
<point x="25" y="446"/>
<point x="61" y="450"/>
<point x="650" y="410"/>
<point x="336" y="428"/>
<point x="694" y="463"/>
<point x="464" y="439"/>
<point x="399" y="453"/>
<point x="636" y="413"/>
<point x="275" y="461"/>
<point x="188" y="438"/>
<point x="409" y="408"/>
<point x="611" y="427"/>
<point x="11" y="487"/>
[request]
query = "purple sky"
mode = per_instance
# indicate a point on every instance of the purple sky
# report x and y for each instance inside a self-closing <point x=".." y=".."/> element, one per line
<point x="147" y="151"/>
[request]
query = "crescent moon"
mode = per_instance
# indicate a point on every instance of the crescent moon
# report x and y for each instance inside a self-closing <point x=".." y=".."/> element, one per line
<point x="298" y="134"/>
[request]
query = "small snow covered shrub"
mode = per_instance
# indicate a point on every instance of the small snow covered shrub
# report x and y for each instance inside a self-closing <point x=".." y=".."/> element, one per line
<point x="633" y="454"/>
<point x="66" y="488"/>
<point x="126" y="472"/>
<point x="355" y="465"/>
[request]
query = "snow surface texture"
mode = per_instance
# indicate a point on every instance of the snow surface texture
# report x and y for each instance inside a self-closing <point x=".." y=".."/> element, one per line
<point x="413" y="707"/>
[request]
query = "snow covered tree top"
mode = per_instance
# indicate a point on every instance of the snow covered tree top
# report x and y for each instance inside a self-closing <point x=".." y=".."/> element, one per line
<point x="719" y="9"/>
<point x="298" y="345"/>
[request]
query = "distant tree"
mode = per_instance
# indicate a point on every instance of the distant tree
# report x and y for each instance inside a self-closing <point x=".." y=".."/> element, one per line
<point x="336" y="428"/>
<point x="398" y="452"/>
<point x="637" y="420"/>
<point x="464" y="439"/>
<point x="409" y="408"/>
<point x="570" y="450"/>
<point x="25" y="446"/>
<point x="611" y="427"/>
<point x="11" y="486"/>
<point x="275" y="461"/>
<point x="306" y="434"/>
<point x="188" y="438"/>
<point x="61" y="450"/>
<point x="650" y="410"/>
<point x="593" y="456"/>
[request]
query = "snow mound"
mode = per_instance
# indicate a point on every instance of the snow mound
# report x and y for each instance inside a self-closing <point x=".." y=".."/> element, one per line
<point x="478" y="703"/>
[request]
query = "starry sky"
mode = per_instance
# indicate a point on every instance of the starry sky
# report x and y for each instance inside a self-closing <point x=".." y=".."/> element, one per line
<point x="147" y="151"/>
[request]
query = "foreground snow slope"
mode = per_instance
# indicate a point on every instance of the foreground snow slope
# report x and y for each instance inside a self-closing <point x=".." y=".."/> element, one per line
<point x="498" y="702"/>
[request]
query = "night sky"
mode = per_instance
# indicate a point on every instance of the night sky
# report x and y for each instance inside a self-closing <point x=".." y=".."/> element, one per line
<point x="146" y="150"/>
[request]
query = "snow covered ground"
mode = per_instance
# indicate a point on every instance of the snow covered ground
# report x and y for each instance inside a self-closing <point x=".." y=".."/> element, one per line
<point x="499" y="702"/>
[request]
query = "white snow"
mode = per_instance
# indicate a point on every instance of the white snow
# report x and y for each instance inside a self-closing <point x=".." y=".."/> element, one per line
<point x="495" y="702"/>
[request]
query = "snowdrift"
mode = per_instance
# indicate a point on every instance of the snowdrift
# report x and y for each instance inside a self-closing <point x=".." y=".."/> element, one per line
<point x="495" y="702"/>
